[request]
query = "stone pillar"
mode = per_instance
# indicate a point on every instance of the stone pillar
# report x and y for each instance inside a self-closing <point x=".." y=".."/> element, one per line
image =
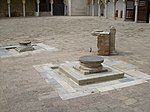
<point x="106" y="9"/>
<point x="65" y="9"/>
<point x="24" y="8"/>
<point x="124" y="10"/>
<point x="103" y="42"/>
<point x="112" y="40"/>
<point x="136" y="11"/>
<point x="114" y="2"/>
<point x="93" y="8"/>
<point x="38" y="7"/>
<point x="52" y="7"/>
<point x="99" y="8"/>
<point x="9" y="12"/>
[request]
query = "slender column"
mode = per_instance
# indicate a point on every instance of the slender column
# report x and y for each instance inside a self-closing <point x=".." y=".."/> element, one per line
<point x="124" y="10"/>
<point x="136" y="11"/>
<point x="24" y="8"/>
<point x="112" y="40"/>
<point x="38" y="7"/>
<point x="92" y="7"/>
<point x="99" y="8"/>
<point x="106" y="9"/>
<point x="114" y="2"/>
<point x="51" y="7"/>
<point x="65" y="9"/>
<point x="9" y="12"/>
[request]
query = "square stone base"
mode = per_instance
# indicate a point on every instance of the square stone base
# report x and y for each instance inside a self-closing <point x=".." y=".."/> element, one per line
<point x="82" y="79"/>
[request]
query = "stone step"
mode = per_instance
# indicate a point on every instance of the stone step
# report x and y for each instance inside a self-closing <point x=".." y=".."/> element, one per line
<point x="45" y="14"/>
<point x="82" y="79"/>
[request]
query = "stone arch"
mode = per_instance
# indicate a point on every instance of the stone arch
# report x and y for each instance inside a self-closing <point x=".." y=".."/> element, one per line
<point x="3" y="8"/>
<point x="16" y="8"/>
<point x="58" y="7"/>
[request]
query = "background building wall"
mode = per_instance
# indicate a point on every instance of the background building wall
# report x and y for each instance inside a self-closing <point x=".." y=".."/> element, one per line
<point x="119" y="7"/>
<point x="78" y="7"/>
<point x="110" y="9"/>
<point x="30" y="7"/>
<point x="3" y="8"/>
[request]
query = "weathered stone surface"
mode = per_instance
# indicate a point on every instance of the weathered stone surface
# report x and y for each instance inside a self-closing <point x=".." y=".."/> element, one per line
<point x="90" y="64"/>
<point x="24" y="48"/>
<point x="25" y="43"/>
<point x="103" y="44"/>
<point x="91" y="59"/>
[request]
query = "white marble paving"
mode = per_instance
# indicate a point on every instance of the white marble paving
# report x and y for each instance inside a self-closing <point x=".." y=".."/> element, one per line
<point x="11" y="52"/>
<point x="68" y="89"/>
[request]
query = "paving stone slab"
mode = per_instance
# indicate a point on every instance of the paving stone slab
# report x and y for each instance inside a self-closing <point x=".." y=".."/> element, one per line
<point x="68" y="89"/>
<point x="9" y="51"/>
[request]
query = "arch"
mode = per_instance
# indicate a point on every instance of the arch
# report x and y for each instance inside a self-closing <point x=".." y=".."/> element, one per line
<point x="58" y="7"/>
<point x="3" y="8"/>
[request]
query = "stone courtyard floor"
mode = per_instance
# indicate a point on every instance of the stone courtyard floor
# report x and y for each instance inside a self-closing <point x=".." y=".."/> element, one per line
<point x="22" y="88"/>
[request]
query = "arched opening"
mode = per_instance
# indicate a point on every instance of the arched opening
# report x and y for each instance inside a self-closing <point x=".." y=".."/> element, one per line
<point x="58" y="7"/>
<point x="45" y="6"/>
<point x="16" y="8"/>
<point x="3" y="8"/>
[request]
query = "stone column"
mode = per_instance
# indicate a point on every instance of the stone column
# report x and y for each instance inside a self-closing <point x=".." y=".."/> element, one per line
<point x="51" y="7"/>
<point x="136" y="11"/>
<point x="99" y="8"/>
<point x="24" y="8"/>
<point x="93" y="8"/>
<point x="38" y="7"/>
<point x="9" y="12"/>
<point x="124" y="10"/>
<point x="106" y="9"/>
<point x="114" y="2"/>
<point x="112" y="40"/>
<point x="65" y="9"/>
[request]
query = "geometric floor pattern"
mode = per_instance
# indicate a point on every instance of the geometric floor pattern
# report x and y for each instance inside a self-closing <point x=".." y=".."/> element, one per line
<point x="9" y="51"/>
<point x="68" y="89"/>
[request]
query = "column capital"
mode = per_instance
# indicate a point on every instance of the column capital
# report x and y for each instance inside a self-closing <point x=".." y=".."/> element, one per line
<point x="8" y="1"/>
<point x="92" y="2"/>
<point x="38" y="1"/>
<point x="52" y="1"/>
<point x="106" y="1"/>
<point x="136" y="2"/>
<point x="23" y="1"/>
<point x="124" y="1"/>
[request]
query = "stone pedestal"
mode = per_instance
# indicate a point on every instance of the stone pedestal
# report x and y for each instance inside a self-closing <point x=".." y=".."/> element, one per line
<point x="90" y="65"/>
<point x="103" y="42"/>
<point x="106" y="42"/>
<point x="25" y="46"/>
